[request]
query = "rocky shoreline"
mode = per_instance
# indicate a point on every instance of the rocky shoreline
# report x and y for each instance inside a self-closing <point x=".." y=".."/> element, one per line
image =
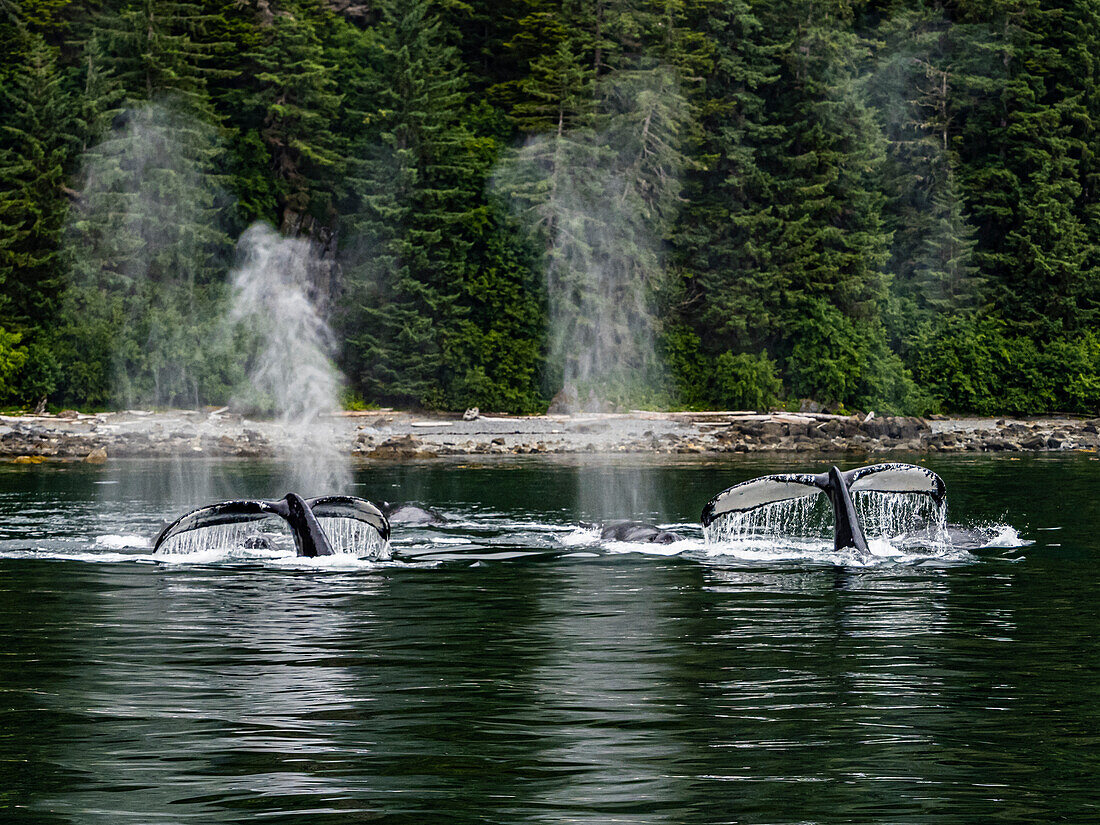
<point x="390" y="435"/>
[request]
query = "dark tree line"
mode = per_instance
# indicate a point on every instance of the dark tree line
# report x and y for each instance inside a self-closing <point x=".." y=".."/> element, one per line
<point x="887" y="205"/>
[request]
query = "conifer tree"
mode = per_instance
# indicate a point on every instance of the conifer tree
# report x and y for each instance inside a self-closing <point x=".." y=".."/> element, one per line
<point x="1021" y="152"/>
<point x="827" y="257"/>
<point x="148" y="228"/>
<point x="143" y="302"/>
<point x="558" y="92"/>
<point x="599" y="198"/>
<point x="932" y="249"/>
<point x="287" y="105"/>
<point x="36" y="144"/>
<point x="863" y="181"/>
<point x="404" y="287"/>
<point x="162" y="48"/>
<point x="722" y="238"/>
<point x="34" y="150"/>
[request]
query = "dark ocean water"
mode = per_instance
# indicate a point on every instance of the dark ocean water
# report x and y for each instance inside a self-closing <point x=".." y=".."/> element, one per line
<point x="509" y="667"/>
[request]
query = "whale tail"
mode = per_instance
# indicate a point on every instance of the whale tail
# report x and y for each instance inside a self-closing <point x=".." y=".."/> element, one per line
<point x="302" y="516"/>
<point x="837" y="485"/>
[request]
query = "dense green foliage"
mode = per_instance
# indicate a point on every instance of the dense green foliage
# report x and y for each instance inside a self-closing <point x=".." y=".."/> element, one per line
<point x="703" y="203"/>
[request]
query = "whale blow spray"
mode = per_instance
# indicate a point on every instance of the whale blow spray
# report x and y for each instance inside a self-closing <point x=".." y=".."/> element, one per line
<point x="290" y="369"/>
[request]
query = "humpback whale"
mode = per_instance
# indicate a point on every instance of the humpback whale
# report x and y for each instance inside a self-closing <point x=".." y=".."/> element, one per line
<point x="837" y="485"/>
<point x="637" y="531"/>
<point x="411" y="514"/>
<point x="300" y="514"/>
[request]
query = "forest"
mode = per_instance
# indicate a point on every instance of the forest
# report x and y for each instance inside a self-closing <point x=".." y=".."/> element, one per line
<point x="677" y="204"/>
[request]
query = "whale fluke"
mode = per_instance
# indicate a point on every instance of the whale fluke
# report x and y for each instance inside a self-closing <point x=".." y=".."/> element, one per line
<point x="748" y="495"/>
<point x="837" y="485"/>
<point x="351" y="507"/>
<point x="896" y="478"/>
<point x="225" y="512"/>
<point x="310" y="539"/>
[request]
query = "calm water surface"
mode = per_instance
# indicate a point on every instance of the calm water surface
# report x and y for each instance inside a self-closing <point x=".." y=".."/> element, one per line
<point x="508" y="668"/>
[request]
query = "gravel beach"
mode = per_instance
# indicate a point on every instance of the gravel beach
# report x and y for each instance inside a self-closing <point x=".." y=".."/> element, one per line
<point x="394" y="435"/>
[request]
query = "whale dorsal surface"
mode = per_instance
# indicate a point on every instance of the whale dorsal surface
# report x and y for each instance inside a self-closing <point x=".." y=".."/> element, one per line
<point x="637" y="531"/>
<point x="411" y="514"/>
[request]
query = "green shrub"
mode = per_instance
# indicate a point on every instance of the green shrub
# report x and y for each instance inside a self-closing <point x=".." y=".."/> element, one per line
<point x="689" y="369"/>
<point x="839" y="361"/>
<point x="726" y="381"/>
<point x="983" y="365"/>
<point x="746" y="381"/>
<point x="40" y="375"/>
<point x="12" y="358"/>
<point x="353" y="402"/>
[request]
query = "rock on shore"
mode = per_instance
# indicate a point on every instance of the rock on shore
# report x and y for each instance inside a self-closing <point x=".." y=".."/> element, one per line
<point x="394" y="436"/>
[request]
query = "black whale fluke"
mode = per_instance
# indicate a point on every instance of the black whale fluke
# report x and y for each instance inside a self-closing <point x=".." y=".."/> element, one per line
<point x="300" y="514"/>
<point x="837" y="485"/>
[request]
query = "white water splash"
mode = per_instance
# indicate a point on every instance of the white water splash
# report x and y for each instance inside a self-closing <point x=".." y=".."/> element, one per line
<point x="245" y="537"/>
<point x="1005" y="535"/>
<point x="122" y="542"/>
<point x="291" y="373"/>
<point x="340" y="562"/>
<point x="796" y="519"/>
<point x="902" y="519"/>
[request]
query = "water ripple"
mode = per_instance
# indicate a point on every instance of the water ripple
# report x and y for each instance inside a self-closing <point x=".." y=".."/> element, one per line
<point x="494" y="675"/>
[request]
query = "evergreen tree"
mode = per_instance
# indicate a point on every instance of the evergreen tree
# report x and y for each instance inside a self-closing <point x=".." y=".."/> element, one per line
<point x="36" y="144"/>
<point x="932" y="250"/>
<point x="162" y="48"/>
<point x="33" y="156"/>
<point x="495" y="359"/>
<point x="721" y="239"/>
<point x="142" y="308"/>
<point x="558" y="93"/>
<point x="796" y="272"/>
<point x="287" y="107"/>
<point x="862" y="181"/>
<point x="599" y="200"/>
<point x="1021" y="147"/>
<point x="414" y="183"/>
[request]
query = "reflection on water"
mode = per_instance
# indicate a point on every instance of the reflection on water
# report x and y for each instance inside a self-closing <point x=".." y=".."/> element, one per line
<point x="512" y="670"/>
